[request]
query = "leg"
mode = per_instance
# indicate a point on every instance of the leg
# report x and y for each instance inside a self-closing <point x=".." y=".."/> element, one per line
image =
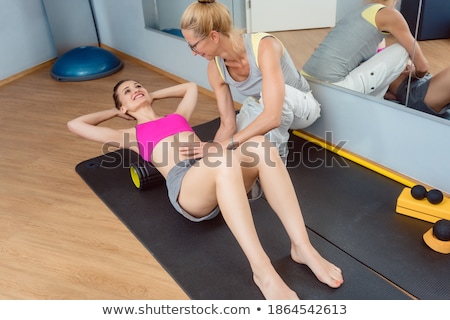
<point x="239" y="219"/>
<point x="281" y="196"/>
<point x="300" y="110"/>
<point x="305" y="107"/>
<point x="230" y="179"/>
<point x="251" y="109"/>
<point x="207" y="185"/>
<point x="374" y="75"/>
<point x="438" y="94"/>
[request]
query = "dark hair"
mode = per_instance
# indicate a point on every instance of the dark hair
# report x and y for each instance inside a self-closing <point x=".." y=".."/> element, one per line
<point x="117" y="101"/>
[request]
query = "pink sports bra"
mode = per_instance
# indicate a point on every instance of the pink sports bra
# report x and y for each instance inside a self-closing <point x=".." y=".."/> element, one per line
<point x="148" y="134"/>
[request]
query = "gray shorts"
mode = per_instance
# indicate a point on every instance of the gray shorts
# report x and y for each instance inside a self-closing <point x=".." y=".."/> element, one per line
<point x="173" y="183"/>
<point x="417" y="91"/>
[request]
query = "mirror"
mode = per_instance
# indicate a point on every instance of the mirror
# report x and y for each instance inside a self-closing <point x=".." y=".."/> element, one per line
<point x="164" y="15"/>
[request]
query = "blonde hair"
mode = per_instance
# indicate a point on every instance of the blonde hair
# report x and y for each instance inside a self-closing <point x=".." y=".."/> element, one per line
<point x="204" y="16"/>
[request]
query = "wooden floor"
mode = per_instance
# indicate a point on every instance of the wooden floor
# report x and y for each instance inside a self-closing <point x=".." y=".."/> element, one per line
<point x="57" y="239"/>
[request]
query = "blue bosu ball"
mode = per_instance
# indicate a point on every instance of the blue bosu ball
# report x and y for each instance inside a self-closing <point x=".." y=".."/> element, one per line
<point x="175" y="32"/>
<point x="85" y="63"/>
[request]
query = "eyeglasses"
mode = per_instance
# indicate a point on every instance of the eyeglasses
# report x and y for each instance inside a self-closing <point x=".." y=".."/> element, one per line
<point x="193" y="47"/>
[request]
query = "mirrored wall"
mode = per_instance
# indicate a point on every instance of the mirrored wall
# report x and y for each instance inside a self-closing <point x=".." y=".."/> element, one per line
<point x="164" y="15"/>
<point x="427" y="19"/>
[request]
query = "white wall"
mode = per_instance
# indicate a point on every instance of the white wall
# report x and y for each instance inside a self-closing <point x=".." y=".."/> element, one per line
<point x="25" y="37"/>
<point x="290" y="15"/>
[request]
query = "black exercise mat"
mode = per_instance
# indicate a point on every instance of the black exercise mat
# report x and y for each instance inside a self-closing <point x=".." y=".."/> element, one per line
<point x="204" y="258"/>
<point x="354" y="209"/>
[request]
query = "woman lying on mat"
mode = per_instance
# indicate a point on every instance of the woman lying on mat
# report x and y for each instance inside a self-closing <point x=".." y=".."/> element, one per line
<point x="197" y="187"/>
<point x="429" y="94"/>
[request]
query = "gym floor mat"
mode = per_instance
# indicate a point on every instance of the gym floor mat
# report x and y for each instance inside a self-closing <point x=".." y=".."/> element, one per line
<point x="354" y="209"/>
<point x="205" y="259"/>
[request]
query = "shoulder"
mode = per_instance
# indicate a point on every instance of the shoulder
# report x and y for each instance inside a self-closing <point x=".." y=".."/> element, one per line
<point x="216" y="71"/>
<point x="389" y="19"/>
<point x="264" y="42"/>
<point x="389" y="13"/>
<point x="257" y="39"/>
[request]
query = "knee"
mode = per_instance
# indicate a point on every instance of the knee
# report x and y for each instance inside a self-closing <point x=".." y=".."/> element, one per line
<point x="257" y="149"/>
<point x="257" y="143"/>
<point x="229" y="166"/>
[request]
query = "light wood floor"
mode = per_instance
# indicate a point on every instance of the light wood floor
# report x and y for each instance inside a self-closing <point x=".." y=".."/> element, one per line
<point x="57" y="239"/>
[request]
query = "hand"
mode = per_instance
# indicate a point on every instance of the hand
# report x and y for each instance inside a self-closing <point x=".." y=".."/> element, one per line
<point x="199" y="149"/>
<point x="122" y="115"/>
<point x="409" y="69"/>
<point x="151" y="97"/>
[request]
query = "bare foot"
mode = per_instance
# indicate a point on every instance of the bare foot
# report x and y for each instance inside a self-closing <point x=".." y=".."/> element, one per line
<point x="273" y="287"/>
<point x="324" y="270"/>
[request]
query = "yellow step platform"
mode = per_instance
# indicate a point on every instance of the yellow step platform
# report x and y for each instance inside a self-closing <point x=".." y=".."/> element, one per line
<point x="422" y="209"/>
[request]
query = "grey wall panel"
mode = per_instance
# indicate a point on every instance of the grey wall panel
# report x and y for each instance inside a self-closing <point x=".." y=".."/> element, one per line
<point x="72" y="24"/>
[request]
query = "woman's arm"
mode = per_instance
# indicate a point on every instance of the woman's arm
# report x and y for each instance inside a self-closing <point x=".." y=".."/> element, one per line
<point x="225" y="104"/>
<point x="187" y="91"/>
<point x="273" y="91"/>
<point x="392" y="21"/>
<point x="86" y="126"/>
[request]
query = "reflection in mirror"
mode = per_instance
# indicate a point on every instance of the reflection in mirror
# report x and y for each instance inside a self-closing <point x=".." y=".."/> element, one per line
<point x="164" y="15"/>
<point x="427" y="20"/>
<point x="435" y="51"/>
<point x="348" y="57"/>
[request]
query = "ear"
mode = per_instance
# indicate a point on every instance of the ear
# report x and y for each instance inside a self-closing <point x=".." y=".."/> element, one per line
<point x="123" y="110"/>
<point x="214" y="35"/>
